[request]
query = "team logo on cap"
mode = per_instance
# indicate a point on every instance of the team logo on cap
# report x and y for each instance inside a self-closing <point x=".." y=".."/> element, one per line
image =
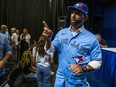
<point x="79" y="5"/>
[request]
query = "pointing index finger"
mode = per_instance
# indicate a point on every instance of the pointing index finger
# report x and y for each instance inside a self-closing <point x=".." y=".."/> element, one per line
<point x="45" y="24"/>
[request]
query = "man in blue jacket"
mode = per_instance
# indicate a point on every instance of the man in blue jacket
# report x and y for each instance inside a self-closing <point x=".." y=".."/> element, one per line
<point x="78" y="49"/>
<point x="5" y="52"/>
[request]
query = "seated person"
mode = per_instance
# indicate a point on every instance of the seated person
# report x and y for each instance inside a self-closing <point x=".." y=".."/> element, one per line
<point x="101" y="41"/>
<point x="24" y="67"/>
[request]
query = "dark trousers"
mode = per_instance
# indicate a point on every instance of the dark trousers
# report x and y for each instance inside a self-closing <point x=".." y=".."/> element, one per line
<point x="1" y="80"/>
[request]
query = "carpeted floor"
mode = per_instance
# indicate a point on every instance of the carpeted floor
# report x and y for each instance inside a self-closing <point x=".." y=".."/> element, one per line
<point x="31" y="81"/>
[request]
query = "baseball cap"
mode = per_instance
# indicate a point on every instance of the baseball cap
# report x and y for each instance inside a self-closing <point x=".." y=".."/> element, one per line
<point x="79" y="6"/>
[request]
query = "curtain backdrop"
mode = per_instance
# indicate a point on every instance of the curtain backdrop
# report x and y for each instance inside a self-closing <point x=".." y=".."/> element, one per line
<point x="30" y="14"/>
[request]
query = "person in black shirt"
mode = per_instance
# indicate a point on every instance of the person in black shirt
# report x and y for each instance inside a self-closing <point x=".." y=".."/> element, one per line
<point x="102" y="42"/>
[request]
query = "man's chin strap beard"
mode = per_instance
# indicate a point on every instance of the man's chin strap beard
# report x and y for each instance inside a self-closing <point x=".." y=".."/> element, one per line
<point x="74" y="23"/>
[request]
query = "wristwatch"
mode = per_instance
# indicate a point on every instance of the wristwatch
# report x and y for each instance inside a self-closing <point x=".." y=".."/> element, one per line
<point x="85" y="68"/>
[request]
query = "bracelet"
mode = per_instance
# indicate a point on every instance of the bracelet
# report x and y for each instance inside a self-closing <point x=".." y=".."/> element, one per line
<point x="85" y="68"/>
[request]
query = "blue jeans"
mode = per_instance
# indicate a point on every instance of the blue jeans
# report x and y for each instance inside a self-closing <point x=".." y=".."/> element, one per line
<point x="43" y="76"/>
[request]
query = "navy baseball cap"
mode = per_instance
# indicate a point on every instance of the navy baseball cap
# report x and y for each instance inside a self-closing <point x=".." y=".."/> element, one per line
<point x="79" y="6"/>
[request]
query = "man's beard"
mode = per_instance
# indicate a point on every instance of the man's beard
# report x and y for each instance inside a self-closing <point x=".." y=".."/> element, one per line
<point x="77" y="22"/>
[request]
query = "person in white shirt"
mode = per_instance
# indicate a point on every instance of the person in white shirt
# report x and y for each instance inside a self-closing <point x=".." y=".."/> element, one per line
<point x="25" y="38"/>
<point x="43" y="59"/>
<point x="25" y="35"/>
<point x="14" y="42"/>
<point x="14" y="36"/>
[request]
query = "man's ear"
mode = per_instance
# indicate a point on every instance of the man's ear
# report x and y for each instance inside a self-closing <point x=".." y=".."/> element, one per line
<point x="86" y="17"/>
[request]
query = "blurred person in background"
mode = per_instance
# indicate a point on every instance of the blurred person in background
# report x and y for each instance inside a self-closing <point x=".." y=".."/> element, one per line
<point x="25" y="35"/>
<point x="18" y="46"/>
<point x="5" y="52"/>
<point x="102" y="42"/>
<point x="24" y="39"/>
<point x="5" y="31"/>
<point x="14" y="42"/>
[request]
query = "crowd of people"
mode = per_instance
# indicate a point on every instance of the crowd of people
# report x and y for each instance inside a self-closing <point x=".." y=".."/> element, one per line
<point x="19" y="47"/>
<point x="79" y="51"/>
